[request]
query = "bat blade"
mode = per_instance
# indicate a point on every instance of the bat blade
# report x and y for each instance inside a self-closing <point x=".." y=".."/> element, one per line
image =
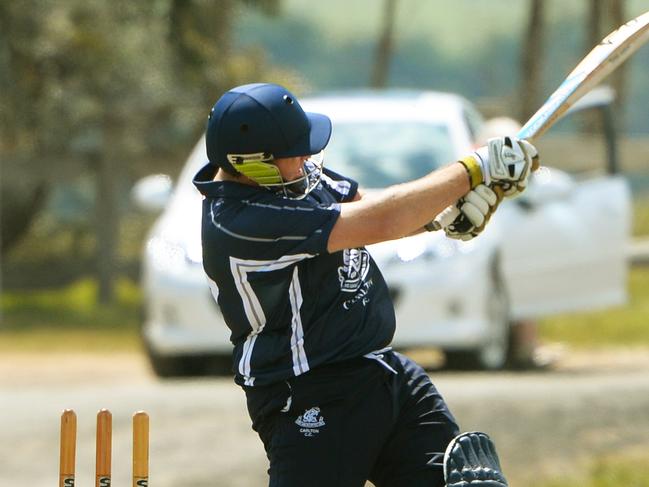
<point x="612" y="51"/>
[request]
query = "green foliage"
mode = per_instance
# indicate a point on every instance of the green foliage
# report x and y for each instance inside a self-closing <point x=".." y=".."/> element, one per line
<point x="629" y="470"/>
<point x="471" y="47"/>
<point x="89" y="84"/>
<point x="432" y="50"/>
<point x="129" y="80"/>
<point x="70" y="319"/>
<point x="70" y="340"/>
<point x="623" y="326"/>
<point x="641" y="216"/>
<point x="57" y="251"/>
<point x="74" y="306"/>
<point x="131" y="83"/>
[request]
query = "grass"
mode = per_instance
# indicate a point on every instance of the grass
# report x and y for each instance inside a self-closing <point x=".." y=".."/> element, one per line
<point x="70" y="318"/>
<point x="622" y="326"/>
<point x="641" y="216"/>
<point x="629" y="469"/>
<point x="69" y="341"/>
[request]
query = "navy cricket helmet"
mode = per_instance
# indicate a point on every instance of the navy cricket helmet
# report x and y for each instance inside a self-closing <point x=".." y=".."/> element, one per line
<point x="253" y="124"/>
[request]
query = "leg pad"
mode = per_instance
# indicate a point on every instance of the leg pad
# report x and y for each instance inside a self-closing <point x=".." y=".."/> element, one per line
<point x="471" y="460"/>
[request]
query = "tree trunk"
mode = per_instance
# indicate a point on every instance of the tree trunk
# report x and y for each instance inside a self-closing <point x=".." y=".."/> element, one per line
<point x="531" y="61"/>
<point x="107" y="225"/>
<point x="384" y="46"/>
<point x="590" y="122"/>
<point x="606" y="16"/>
<point x="19" y="206"/>
<point x="617" y="14"/>
<point x="594" y="27"/>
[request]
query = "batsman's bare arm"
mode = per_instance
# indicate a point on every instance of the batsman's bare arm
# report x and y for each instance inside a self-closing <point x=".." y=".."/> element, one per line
<point x="399" y="210"/>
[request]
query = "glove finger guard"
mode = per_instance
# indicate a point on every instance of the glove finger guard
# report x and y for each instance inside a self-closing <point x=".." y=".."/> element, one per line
<point x="468" y="218"/>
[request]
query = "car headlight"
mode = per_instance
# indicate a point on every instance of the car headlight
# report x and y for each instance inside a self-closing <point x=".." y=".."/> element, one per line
<point x="172" y="256"/>
<point x="194" y="253"/>
<point x="412" y="249"/>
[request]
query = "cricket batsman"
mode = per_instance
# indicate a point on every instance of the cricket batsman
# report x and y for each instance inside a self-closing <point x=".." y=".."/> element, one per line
<point x="310" y="316"/>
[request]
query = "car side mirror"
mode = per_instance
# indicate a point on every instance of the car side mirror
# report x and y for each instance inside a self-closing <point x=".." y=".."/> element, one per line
<point x="152" y="193"/>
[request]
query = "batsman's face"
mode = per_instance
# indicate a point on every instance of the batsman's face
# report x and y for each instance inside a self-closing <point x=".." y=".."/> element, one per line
<point x="291" y="168"/>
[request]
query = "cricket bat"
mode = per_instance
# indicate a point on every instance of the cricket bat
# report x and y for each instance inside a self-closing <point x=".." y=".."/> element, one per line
<point x="610" y="53"/>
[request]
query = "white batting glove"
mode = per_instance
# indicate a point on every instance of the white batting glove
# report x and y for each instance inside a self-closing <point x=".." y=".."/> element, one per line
<point x="469" y="216"/>
<point x="505" y="162"/>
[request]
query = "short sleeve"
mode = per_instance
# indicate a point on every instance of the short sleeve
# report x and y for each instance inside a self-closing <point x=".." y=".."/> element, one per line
<point x="270" y="229"/>
<point x="342" y="188"/>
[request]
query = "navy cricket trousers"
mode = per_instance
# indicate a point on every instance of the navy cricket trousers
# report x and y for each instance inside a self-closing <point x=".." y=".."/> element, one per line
<point x="354" y="421"/>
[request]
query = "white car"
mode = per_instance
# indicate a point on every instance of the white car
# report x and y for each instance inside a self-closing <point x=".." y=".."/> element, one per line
<point x="558" y="247"/>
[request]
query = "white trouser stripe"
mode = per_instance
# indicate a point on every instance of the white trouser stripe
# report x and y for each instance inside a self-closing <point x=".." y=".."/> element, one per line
<point x="300" y="363"/>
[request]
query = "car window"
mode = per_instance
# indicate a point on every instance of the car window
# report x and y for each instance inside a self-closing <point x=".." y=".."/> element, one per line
<point x="381" y="153"/>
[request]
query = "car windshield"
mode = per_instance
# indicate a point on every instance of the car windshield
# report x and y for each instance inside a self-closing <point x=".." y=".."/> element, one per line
<point x="381" y="153"/>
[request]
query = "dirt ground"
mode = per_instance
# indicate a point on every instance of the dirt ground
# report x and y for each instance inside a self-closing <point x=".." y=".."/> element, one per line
<point x="544" y="422"/>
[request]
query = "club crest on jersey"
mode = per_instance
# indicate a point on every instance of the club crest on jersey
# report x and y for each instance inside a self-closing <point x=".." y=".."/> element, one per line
<point x="356" y="265"/>
<point x="310" y="421"/>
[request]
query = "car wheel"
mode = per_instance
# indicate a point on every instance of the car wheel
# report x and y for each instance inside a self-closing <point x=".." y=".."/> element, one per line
<point x="523" y="344"/>
<point x="166" y="366"/>
<point x="493" y="354"/>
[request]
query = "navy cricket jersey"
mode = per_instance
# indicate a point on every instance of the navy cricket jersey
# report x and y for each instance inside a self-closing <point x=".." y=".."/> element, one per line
<point x="289" y="304"/>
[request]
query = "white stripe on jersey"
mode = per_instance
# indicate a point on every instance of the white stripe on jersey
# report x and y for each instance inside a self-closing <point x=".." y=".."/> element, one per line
<point x="254" y="239"/>
<point x="275" y="207"/>
<point x="244" y="363"/>
<point x="342" y="187"/>
<point x="300" y="363"/>
<point x="251" y="305"/>
<point x="214" y="289"/>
